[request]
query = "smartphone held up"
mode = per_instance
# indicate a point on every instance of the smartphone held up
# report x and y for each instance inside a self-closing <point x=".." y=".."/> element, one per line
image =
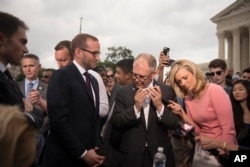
<point x="166" y="53"/>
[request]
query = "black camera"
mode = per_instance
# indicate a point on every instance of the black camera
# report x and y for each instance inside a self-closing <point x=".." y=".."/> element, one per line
<point x="166" y="50"/>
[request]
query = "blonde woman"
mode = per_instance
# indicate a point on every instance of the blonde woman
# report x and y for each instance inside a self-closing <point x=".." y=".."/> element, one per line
<point x="208" y="107"/>
<point x="17" y="138"/>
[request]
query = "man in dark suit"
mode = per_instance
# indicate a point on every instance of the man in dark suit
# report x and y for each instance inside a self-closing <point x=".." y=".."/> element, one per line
<point x="73" y="108"/>
<point x="13" y="42"/>
<point x="140" y="112"/>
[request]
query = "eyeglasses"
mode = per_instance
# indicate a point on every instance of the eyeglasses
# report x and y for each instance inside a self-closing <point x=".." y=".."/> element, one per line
<point x="141" y="77"/>
<point x="94" y="53"/>
<point x="217" y="73"/>
<point x="110" y="76"/>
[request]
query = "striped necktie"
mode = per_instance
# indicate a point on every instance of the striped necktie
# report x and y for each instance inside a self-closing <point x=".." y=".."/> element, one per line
<point x="29" y="87"/>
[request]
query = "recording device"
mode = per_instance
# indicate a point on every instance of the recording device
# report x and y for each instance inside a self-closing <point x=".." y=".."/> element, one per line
<point x="187" y="129"/>
<point x="166" y="52"/>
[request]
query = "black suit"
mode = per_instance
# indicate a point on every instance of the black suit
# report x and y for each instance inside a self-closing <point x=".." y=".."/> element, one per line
<point x="10" y="94"/>
<point x="74" y="119"/>
<point x="136" y="134"/>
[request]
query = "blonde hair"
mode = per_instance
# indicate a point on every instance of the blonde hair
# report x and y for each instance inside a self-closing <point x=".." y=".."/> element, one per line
<point x="192" y="68"/>
<point x="17" y="138"/>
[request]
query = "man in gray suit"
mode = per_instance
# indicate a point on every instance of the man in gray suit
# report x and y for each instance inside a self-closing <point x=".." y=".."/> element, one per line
<point x="32" y="88"/>
<point x="35" y="92"/>
<point x="140" y="112"/>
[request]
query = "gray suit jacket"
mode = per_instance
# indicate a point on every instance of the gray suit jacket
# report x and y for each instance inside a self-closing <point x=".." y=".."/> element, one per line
<point x="42" y="88"/>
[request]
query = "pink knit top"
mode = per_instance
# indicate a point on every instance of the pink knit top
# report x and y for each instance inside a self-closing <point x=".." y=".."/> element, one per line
<point x="212" y="114"/>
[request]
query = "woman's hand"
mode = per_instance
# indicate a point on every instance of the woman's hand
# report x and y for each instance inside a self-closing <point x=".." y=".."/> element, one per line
<point x="175" y="108"/>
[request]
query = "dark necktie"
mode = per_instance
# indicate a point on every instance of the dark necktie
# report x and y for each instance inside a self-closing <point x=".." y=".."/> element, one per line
<point x="13" y="83"/>
<point x="88" y="84"/>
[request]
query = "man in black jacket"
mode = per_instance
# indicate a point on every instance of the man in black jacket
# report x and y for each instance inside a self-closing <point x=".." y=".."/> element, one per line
<point x="13" y="42"/>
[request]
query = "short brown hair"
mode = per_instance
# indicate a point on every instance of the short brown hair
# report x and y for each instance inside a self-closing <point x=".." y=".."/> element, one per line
<point x="64" y="44"/>
<point x="79" y="41"/>
<point x="218" y="63"/>
<point x="9" y="24"/>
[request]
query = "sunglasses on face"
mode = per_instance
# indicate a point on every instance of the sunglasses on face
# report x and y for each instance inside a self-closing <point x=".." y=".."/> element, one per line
<point x="217" y="73"/>
<point x="110" y="76"/>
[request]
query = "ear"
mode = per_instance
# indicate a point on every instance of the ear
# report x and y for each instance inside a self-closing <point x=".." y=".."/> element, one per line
<point x="154" y="74"/>
<point x="2" y="39"/>
<point x="77" y="52"/>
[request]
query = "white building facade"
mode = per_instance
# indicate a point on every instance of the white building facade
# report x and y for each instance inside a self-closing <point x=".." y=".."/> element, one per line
<point x="233" y="27"/>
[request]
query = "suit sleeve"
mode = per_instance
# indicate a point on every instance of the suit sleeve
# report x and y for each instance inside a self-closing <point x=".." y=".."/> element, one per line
<point x="123" y="116"/>
<point x="168" y="118"/>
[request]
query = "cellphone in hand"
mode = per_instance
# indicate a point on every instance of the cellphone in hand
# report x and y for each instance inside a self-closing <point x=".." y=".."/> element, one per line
<point x="166" y="52"/>
<point x="186" y="129"/>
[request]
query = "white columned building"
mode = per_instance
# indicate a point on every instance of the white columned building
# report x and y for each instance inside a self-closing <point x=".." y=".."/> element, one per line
<point x="233" y="31"/>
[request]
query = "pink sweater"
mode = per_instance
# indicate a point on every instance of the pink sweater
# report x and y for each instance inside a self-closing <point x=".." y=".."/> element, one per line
<point x="212" y="114"/>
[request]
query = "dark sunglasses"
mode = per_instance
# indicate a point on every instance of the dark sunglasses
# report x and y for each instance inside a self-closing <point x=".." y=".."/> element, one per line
<point x="110" y="76"/>
<point x="217" y="73"/>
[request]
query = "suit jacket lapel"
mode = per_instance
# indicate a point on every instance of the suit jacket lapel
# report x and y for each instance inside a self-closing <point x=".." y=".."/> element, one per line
<point x="80" y="79"/>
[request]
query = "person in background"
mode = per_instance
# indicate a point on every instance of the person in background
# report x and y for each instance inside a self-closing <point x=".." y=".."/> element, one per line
<point x="124" y="76"/>
<point x="63" y="54"/>
<point x="17" y="138"/>
<point x="208" y="77"/>
<point x="240" y="99"/>
<point x="35" y="92"/>
<point x="203" y="101"/>
<point x="163" y="62"/>
<point x="13" y="42"/>
<point x="103" y="73"/>
<point x="141" y="115"/>
<point x="33" y="89"/>
<point x="235" y="78"/>
<point x="47" y="73"/>
<point x="246" y="74"/>
<point x="230" y="71"/>
<point x="73" y="108"/>
<point x="111" y="81"/>
<point x="218" y="73"/>
<point x="183" y="147"/>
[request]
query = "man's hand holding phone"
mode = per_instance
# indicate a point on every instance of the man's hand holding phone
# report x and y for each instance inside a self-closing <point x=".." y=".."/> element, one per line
<point x="167" y="61"/>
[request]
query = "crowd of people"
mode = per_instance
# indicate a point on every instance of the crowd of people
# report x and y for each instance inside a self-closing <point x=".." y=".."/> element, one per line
<point x="88" y="115"/>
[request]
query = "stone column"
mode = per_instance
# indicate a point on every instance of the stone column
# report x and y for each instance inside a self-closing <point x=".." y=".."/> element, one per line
<point x="236" y="50"/>
<point x="244" y="51"/>
<point x="249" y="46"/>
<point x="229" y="51"/>
<point x="221" y="40"/>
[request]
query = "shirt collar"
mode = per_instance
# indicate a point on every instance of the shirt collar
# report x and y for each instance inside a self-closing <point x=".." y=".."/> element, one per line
<point x="80" y="68"/>
<point x="35" y="82"/>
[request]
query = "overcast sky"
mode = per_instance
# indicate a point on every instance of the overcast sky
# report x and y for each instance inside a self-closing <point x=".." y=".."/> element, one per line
<point x="139" y="25"/>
